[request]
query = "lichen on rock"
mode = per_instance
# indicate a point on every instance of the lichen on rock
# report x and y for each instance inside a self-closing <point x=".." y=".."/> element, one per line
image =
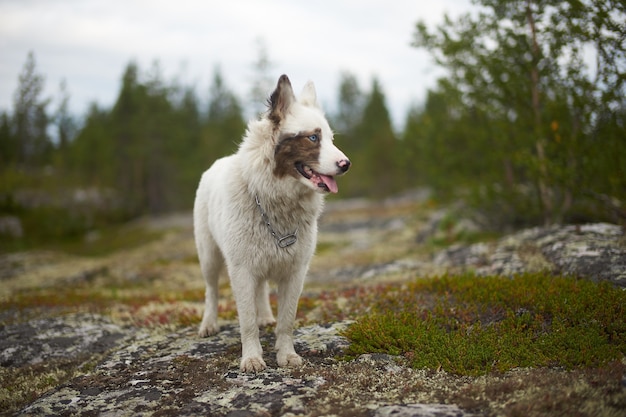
<point x="594" y="251"/>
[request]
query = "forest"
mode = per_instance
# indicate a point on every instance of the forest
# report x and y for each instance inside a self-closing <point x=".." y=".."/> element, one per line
<point x="528" y="126"/>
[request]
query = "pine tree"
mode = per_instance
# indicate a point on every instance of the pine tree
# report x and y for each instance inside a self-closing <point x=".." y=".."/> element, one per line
<point x="30" y="118"/>
<point x="128" y="159"/>
<point x="92" y="157"/>
<point x="263" y="81"/>
<point x="350" y="105"/>
<point x="8" y="146"/>
<point x="65" y="126"/>
<point x="375" y="161"/>
<point x="186" y="149"/>
<point x="224" y="125"/>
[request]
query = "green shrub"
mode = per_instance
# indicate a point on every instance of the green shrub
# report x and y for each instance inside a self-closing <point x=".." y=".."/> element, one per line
<point x="476" y="325"/>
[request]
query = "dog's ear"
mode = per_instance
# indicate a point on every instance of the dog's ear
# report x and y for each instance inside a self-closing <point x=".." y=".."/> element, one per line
<point x="308" y="97"/>
<point x="280" y="100"/>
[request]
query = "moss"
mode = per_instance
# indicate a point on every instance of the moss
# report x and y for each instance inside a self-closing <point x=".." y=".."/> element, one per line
<point x="325" y="247"/>
<point x="135" y="304"/>
<point x="56" y="229"/>
<point x="20" y="386"/>
<point x="480" y="325"/>
<point x="108" y="240"/>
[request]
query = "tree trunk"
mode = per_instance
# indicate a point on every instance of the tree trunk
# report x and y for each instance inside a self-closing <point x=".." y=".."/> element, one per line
<point x="544" y="191"/>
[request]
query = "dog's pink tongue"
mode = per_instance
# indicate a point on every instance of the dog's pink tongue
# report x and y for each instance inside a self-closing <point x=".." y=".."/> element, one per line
<point x="330" y="183"/>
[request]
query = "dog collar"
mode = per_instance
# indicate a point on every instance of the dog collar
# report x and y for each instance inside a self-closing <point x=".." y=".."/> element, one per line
<point x="281" y="241"/>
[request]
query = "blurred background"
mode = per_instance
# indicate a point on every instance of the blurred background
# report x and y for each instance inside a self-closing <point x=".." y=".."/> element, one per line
<point x="110" y="111"/>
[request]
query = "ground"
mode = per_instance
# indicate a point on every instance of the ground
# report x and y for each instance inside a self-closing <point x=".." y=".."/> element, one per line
<point x="115" y="333"/>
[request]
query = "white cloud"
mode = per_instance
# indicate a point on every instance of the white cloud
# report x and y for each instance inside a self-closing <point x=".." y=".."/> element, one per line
<point x="89" y="43"/>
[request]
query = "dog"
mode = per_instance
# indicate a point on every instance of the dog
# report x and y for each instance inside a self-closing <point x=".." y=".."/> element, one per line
<point x="256" y="213"/>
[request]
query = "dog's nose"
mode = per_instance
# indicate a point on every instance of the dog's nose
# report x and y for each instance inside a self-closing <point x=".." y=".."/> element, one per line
<point x="344" y="165"/>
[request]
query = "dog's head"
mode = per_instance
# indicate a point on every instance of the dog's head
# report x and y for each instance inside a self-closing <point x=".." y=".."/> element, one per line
<point x="304" y="147"/>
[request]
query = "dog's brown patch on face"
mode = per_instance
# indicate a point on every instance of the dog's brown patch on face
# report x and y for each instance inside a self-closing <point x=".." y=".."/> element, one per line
<point x="292" y="150"/>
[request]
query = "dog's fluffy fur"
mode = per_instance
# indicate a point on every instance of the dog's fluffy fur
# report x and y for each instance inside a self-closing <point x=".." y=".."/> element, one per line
<point x="287" y="162"/>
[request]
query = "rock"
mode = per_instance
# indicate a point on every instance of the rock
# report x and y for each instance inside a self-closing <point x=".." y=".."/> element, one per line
<point x="595" y="251"/>
<point x="365" y="272"/>
<point x="421" y="410"/>
<point x="46" y="339"/>
<point x="181" y="374"/>
<point x="381" y="361"/>
<point x="11" y="226"/>
<point x="321" y="339"/>
<point x="449" y="224"/>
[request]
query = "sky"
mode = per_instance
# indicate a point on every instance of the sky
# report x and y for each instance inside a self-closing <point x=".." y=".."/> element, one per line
<point x="89" y="43"/>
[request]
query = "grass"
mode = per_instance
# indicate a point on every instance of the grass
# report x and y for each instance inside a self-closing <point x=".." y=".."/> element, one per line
<point x="52" y="234"/>
<point x="471" y="325"/>
<point x="138" y="305"/>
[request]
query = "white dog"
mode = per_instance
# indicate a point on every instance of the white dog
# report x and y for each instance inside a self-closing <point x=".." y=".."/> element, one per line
<point x="256" y="212"/>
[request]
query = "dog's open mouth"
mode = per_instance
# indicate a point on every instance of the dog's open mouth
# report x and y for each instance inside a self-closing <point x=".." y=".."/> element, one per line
<point x="325" y="182"/>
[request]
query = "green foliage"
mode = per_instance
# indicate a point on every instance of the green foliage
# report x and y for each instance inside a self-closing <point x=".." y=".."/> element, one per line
<point x="367" y="137"/>
<point x="224" y="124"/>
<point x="29" y="142"/>
<point x="145" y="155"/>
<point x="351" y="102"/>
<point x="522" y="120"/>
<point x="8" y="149"/>
<point x="473" y="325"/>
<point x="105" y="240"/>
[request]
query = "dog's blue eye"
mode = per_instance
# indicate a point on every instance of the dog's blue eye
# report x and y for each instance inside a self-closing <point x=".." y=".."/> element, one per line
<point x="313" y="138"/>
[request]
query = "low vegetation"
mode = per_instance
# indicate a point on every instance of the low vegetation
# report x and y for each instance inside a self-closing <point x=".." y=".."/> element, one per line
<point x="531" y="345"/>
<point x="472" y="325"/>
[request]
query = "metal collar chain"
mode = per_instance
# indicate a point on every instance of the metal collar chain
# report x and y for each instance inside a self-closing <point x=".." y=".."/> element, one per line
<point x="281" y="241"/>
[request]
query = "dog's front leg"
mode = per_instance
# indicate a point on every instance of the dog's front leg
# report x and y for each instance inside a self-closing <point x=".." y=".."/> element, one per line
<point x="264" y="315"/>
<point x="289" y="290"/>
<point x="244" y="289"/>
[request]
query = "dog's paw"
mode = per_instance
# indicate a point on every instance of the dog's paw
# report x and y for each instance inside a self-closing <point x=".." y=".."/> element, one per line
<point x="289" y="359"/>
<point x="207" y="330"/>
<point x="252" y="364"/>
